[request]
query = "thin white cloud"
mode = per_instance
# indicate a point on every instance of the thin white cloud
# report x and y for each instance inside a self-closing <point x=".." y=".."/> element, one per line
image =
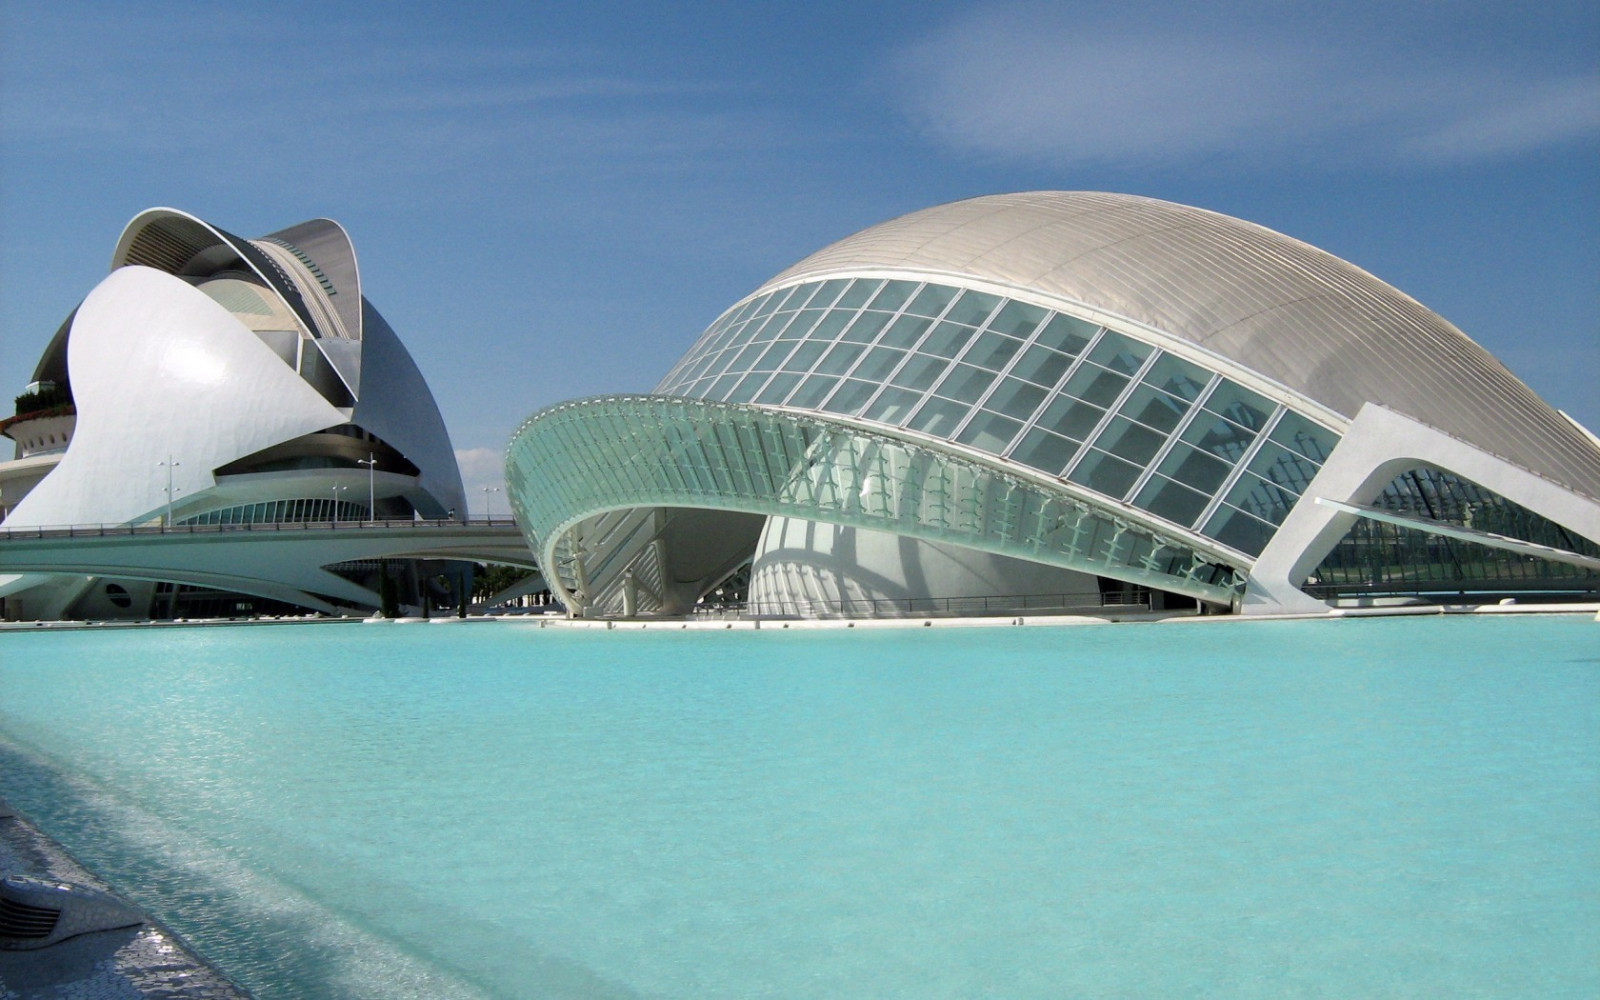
<point x="1022" y="83"/>
<point x="347" y="110"/>
<point x="1537" y="114"/>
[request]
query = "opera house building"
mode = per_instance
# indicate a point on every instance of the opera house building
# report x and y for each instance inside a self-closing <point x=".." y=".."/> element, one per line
<point x="1057" y="400"/>
<point x="215" y="380"/>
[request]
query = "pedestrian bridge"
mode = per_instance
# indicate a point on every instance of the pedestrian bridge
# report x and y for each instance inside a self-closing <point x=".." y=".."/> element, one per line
<point x="282" y="561"/>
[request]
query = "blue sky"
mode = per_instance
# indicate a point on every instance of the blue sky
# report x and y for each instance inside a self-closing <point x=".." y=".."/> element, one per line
<point x="552" y="200"/>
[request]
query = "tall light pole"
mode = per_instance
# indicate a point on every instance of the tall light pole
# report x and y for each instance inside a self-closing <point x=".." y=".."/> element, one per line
<point x="371" y="462"/>
<point x="488" y="501"/>
<point x="169" y="464"/>
<point x="334" y="514"/>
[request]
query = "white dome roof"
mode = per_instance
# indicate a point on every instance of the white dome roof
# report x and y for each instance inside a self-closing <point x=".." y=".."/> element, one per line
<point x="1317" y="325"/>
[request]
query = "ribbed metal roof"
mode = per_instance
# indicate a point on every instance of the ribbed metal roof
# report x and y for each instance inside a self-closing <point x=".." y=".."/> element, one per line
<point x="1302" y="317"/>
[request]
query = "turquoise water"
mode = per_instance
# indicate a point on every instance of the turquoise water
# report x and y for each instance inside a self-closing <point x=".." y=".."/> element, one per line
<point x="1351" y="808"/>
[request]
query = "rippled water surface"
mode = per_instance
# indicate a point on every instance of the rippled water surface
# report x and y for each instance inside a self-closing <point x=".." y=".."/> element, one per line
<point x="1353" y="808"/>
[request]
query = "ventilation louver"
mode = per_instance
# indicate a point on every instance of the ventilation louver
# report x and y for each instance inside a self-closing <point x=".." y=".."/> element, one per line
<point x="37" y="913"/>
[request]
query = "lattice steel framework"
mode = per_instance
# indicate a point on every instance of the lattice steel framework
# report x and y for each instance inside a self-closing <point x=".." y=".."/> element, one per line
<point x="579" y="460"/>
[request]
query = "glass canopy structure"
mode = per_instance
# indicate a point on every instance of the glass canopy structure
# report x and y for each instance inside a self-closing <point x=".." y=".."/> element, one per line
<point x="1130" y="391"/>
<point x="1038" y="387"/>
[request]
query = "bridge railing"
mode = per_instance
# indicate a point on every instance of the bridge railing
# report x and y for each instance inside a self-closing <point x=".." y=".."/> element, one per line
<point x="121" y="530"/>
<point x="1138" y="599"/>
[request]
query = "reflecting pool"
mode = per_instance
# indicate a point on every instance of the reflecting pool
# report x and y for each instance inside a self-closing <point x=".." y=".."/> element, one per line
<point x="1397" y="807"/>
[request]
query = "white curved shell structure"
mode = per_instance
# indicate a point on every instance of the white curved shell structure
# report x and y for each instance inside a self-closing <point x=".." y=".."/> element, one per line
<point x="219" y="380"/>
<point x="1142" y="395"/>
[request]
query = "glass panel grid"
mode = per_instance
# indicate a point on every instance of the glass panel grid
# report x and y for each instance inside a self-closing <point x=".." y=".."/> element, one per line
<point x="1041" y="366"/>
<point x="893" y="295"/>
<point x="1018" y="319"/>
<point x="778" y="388"/>
<point x="866" y="327"/>
<point x="805" y="355"/>
<point x="973" y="308"/>
<point x="1141" y="402"/>
<point x="859" y="293"/>
<point x="947" y="339"/>
<point x="1067" y="334"/>
<point x="931" y="301"/>
<point x="919" y="372"/>
<point x="989" y="432"/>
<point x="559" y="472"/>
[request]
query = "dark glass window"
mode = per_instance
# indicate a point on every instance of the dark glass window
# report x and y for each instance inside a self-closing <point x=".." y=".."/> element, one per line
<point x="858" y="293"/>
<point x="778" y="388"/>
<point x="1017" y="319"/>
<point x="1239" y="530"/>
<point x="1067" y="334"/>
<point x="991" y="351"/>
<point x="827" y="293"/>
<point x="865" y="329"/>
<point x="972" y="308"/>
<point x="1071" y="417"/>
<point x="1277" y="464"/>
<point x="1261" y="499"/>
<point x="989" y="432"/>
<point x="745" y="390"/>
<point x="905" y="331"/>
<point x="1119" y="353"/>
<point x="1045" y="451"/>
<point x="801" y="325"/>
<point x="947" y="340"/>
<point x="840" y="358"/>
<point x="965" y="383"/>
<point x="1104" y="474"/>
<point x="1243" y="407"/>
<point x="1096" y="385"/>
<point x="1174" y="375"/>
<point x="805" y="356"/>
<point x="1015" y="398"/>
<point x="893" y="295"/>
<point x="920" y="372"/>
<point x="1195" y="468"/>
<point x="1221" y="438"/>
<point x="1305" y="437"/>
<point x="851" y="396"/>
<point x="938" y="417"/>
<point x="1154" y="408"/>
<point x="1165" y="498"/>
<point x="1041" y="366"/>
<point x="813" y="391"/>
<point x="930" y="302"/>
<point x="878" y="363"/>
<point x="1127" y="440"/>
<point x="892" y="405"/>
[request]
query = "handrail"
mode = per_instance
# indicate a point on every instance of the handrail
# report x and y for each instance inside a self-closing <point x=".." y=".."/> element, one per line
<point x="1139" y="599"/>
<point x="128" y="530"/>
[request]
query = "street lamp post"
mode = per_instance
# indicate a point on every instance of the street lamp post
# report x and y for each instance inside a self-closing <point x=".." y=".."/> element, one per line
<point x="488" y="501"/>
<point x="334" y="514"/>
<point x="169" y="465"/>
<point x="371" y="462"/>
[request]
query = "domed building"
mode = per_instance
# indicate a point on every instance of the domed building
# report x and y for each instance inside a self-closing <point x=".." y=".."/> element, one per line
<point x="211" y="379"/>
<point x="1057" y="400"/>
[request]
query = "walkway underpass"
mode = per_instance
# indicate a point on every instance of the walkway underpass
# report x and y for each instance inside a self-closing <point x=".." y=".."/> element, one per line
<point x="278" y="561"/>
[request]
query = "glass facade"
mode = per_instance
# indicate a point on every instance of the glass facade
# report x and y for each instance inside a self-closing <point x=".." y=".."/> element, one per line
<point x="1051" y="391"/>
<point x="283" y="512"/>
<point x="1377" y="556"/>
<point x="577" y="461"/>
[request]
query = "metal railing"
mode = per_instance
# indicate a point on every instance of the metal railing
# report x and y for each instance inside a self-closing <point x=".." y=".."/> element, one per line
<point x="932" y="607"/>
<point x="1460" y="591"/>
<point x="123" y="530"/>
